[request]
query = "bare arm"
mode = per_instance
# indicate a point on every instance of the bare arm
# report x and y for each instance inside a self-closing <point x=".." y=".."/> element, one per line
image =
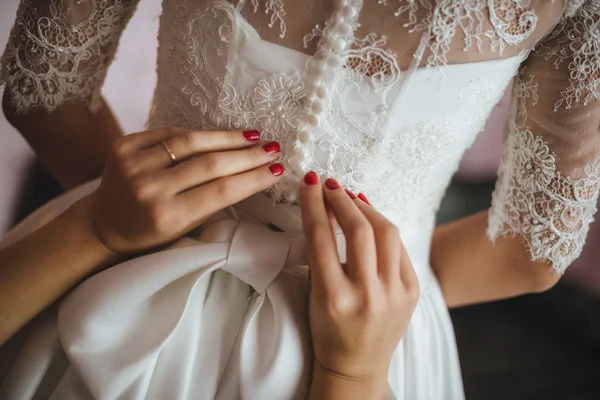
<point x="142" y="202"/>
<point x="37" y="270"/>
<point x="472" y="269"/>
<point x="72" y="142"/>
<point x="548" y="181"/>
<point x="327" y="385"/>
<point x="53" y="74"/>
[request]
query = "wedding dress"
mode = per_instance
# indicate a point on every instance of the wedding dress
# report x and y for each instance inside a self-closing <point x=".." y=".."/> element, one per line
<point x="385" y="97"/>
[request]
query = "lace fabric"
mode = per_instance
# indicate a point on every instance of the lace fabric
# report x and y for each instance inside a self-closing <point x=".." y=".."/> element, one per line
<point x="60" y="51"/>
<point x="548" y="181"/>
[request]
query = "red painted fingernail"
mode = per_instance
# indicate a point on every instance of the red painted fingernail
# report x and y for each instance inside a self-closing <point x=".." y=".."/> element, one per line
<point x="277" y="169"/>
<point x="364" y="198"/>
<point x="272" y="148"/>
<point x="332" y="184"/>
<point x="352" y="196"/>
<point x="311" y="178"/>
<point x="251" y="136"/>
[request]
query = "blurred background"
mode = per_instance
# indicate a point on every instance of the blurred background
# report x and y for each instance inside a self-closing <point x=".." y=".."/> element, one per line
<point x="535" y="347"/>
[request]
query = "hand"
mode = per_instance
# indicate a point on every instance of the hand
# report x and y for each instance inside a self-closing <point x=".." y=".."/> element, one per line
<point x="146" y="199"/>
<point x="358" y="311"/>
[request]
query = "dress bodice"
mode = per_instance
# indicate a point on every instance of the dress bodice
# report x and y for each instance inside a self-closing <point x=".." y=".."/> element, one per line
<point x="397" y="138"/>
<point x="383" y="96"/>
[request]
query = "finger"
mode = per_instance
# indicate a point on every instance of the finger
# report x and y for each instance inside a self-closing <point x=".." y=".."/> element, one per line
<point x="187" y="144"/>
<point x="361" y="260"/>
<point x="209" y="167"/>
<point x="332" y="222"/>
<point x="325" y="268"/>
<point x="142" y="140"/>
<point x="219" y="194"/>
<point x="407" y="271"/>
<point x="387" y="242"/>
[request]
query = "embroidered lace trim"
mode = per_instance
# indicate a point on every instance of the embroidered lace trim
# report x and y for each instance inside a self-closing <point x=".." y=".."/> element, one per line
<point x="511" y="23"/>
<point x="549" y="210"/>
<point x="576" y="42"/>
<point x="549" y="178"/>
<point x="60" y="50"/>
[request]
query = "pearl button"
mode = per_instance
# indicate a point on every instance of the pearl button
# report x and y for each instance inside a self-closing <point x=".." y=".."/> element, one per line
<point x="313" y="120"/>
<point x="319" y="66"/>
<point x="313" y="78"/>
<point x="304" y="137"/>
<point x="343" y="28"/>
<point x="317" y="107"/>
<point x="348" y="12"/>
<point x="339" y="45"/>
<point x="313" y="85"/>
<point x="321" y="92"/>
<point x="299" y="154"/>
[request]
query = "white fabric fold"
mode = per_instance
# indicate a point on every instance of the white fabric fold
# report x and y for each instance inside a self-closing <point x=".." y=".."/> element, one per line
<point x="184" y="323"/>
<point x="109" y="328"/>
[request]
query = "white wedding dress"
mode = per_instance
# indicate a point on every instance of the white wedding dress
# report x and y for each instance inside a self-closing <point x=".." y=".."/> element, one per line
<point x="383" y="96"/>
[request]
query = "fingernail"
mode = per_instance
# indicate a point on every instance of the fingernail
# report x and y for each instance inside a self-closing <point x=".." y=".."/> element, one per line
<point x="352" y="196"/>
<point x="276" y="169"/>
<point x="332" y="184"/>
<point x="311" y="178"/>
<point x="364" y="198"/>
<point x="272" y="148"/>
<point x="251" y="136"/>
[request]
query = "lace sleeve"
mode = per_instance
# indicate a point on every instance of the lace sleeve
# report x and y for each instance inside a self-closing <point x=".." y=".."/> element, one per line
<point x="550" y="172"/>
<point x="60" y="50"/>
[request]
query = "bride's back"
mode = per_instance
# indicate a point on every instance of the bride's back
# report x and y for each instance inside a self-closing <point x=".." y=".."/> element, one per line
<point x="418" y="32"/>
<point x="384" y="103"/>
<point x="383" y="96"/>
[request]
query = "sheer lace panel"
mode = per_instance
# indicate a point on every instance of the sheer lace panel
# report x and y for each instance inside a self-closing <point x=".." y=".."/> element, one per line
<point x="418" y="32"/>
<point x="550" y="173"/>
<point x="59" y="50"/>
<point x="354" y="90"/>
<point x="218" y="72"/>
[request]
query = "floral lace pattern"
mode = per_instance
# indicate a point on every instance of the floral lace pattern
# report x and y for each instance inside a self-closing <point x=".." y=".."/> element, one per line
<point x="354" y="144"/>
<point x="576" y="41"/>
<point x="550" y="212"/>
<point x="512" y="23"/>
<point x="534" y="198"/>
<point x="57" y="55"/>
<point x="52" y="58"/>
<point x="60" y="51"/>
<point x="277" y="11"/>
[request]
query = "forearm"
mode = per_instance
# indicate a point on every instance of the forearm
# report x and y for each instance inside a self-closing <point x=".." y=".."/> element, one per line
<point x="327" y="385"/>
<point x="72" y="142"/>
<point x="39" y="269"/>
<point x="471" y="269"/>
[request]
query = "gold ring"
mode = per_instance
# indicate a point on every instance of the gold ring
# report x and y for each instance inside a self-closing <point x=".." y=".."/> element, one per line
<point x="170" y="152"/>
